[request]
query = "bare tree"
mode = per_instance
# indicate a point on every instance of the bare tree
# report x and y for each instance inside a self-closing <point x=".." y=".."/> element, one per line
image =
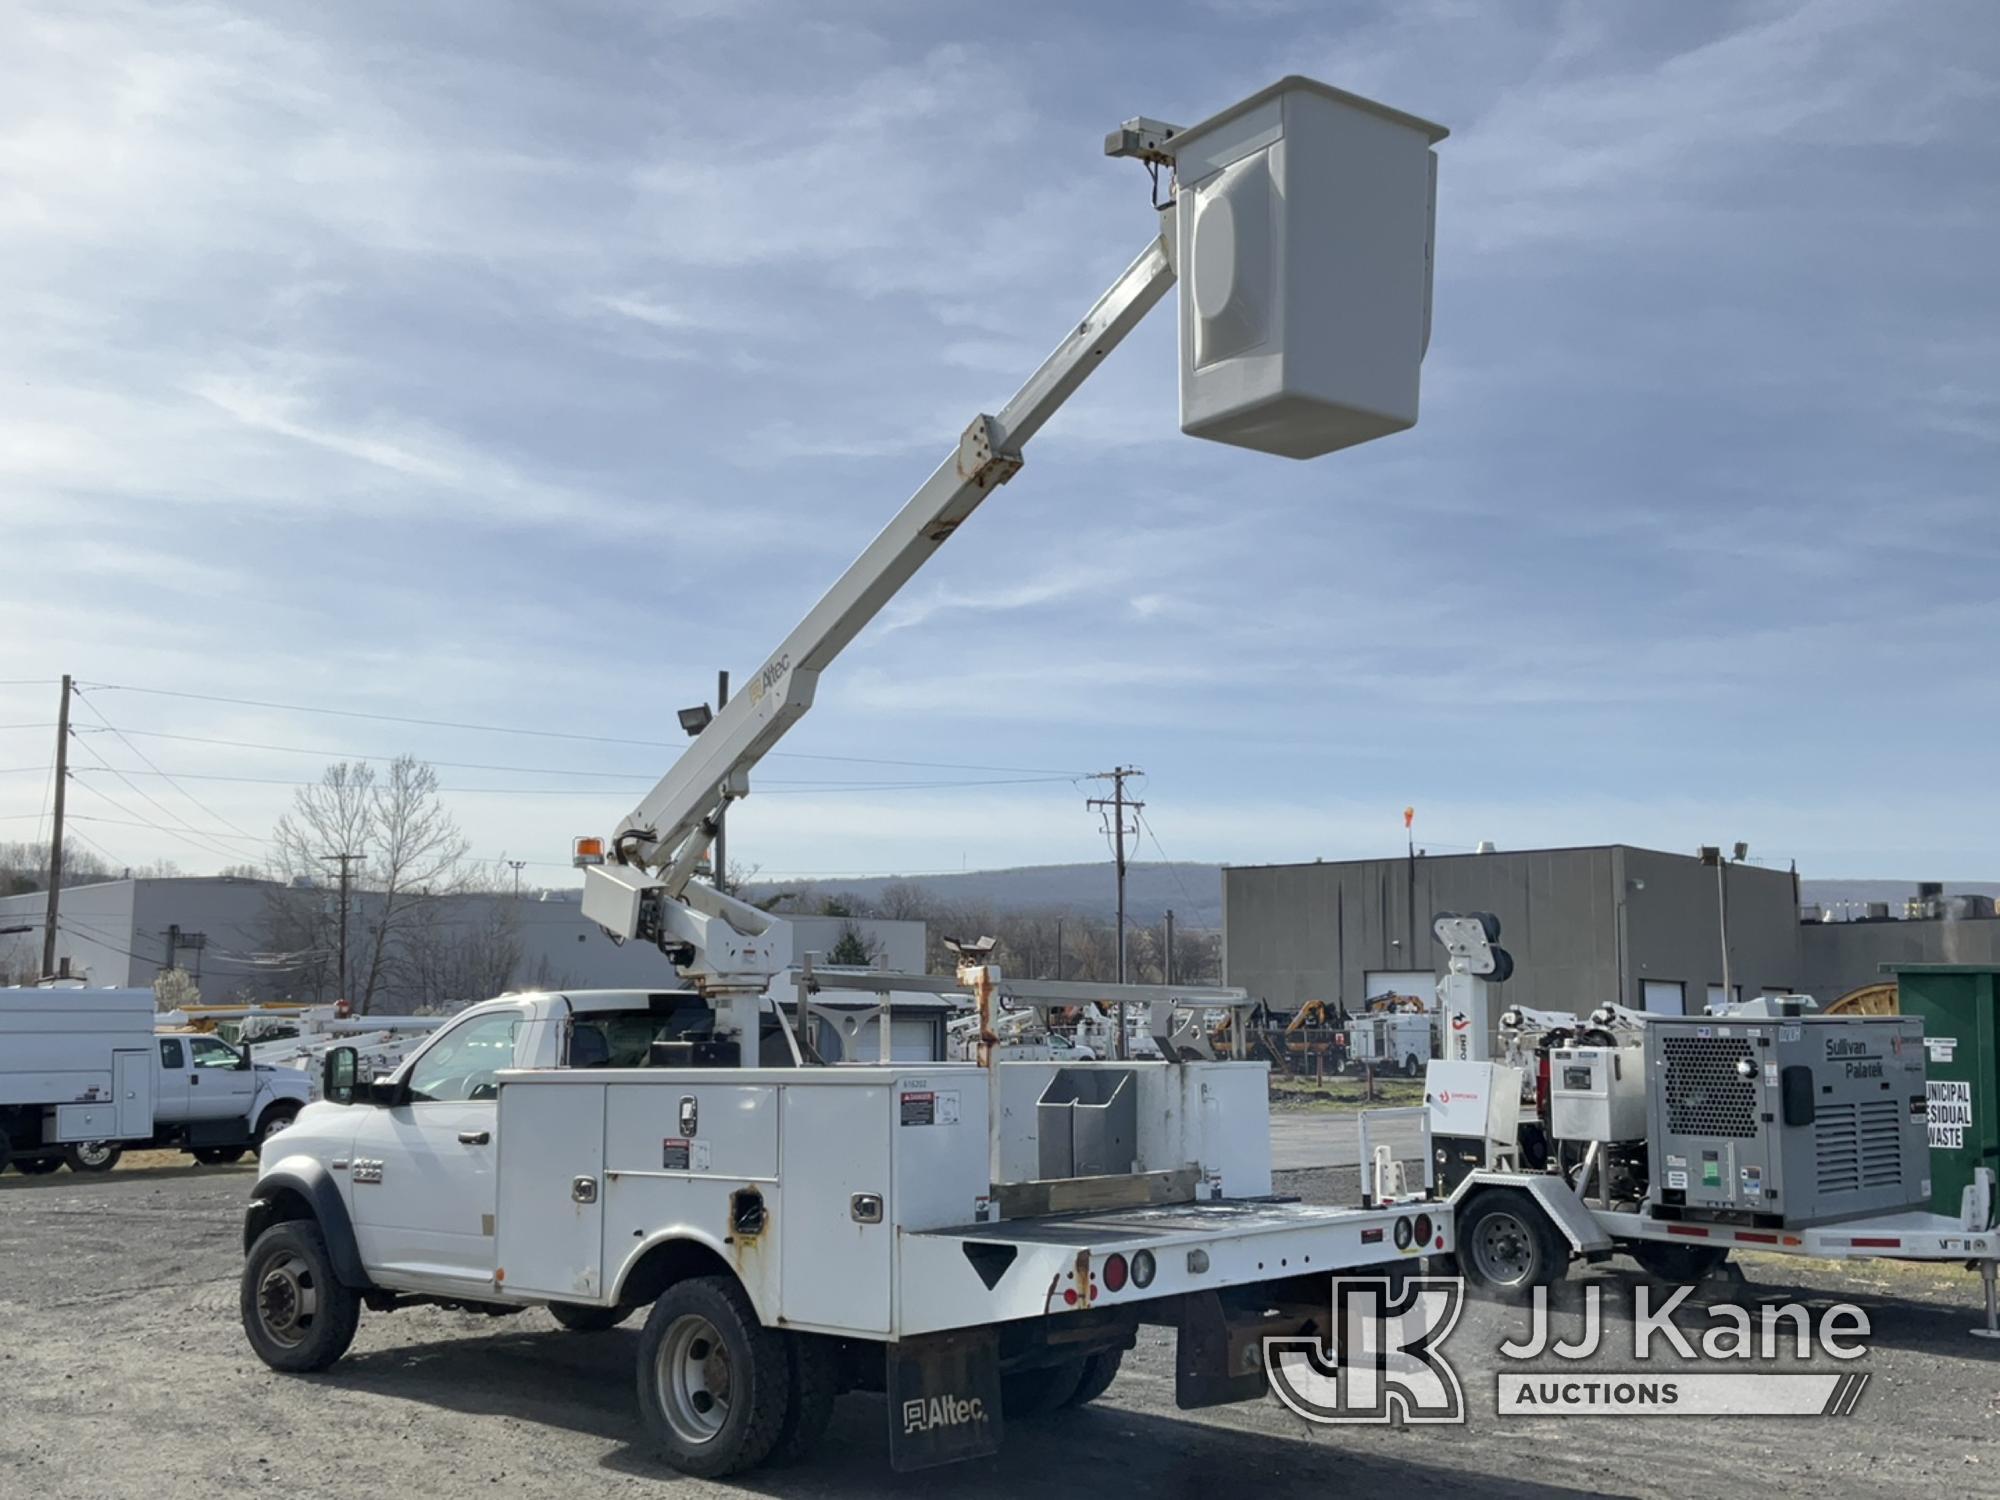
<point x="406" y="850"/>
<point x="450" y="955"/>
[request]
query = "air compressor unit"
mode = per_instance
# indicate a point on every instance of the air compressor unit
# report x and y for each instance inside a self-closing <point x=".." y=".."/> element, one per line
<point x="1786" y="1121"/>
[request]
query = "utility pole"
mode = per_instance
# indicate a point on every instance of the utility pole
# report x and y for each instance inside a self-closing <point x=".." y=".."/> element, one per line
<point x="1167" y="963"/>
<point x="173" y="944"/>
<point x="722" y="813"/>
<point x="1059" y="947"/>
<point x="1118" y="802"/>
<point x="345" y="860"/>
<point x="56" y="833"/>
<point x="515" y="866"/>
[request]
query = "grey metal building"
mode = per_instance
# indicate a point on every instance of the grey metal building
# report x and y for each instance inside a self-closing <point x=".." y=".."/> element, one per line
<point x="1585" y="925"/>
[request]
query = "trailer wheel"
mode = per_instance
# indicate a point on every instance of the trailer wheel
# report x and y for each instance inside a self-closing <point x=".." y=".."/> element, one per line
<point x="714" y="1382"/>
<point x="815" y="1378"/>
<point x="1506" y="1243"/>
<point x="1037" y="1392"/>
<point x="219" y="1156"/>
<point x="296" y="1314"/>
<point x="1098" y="1372"/>
<point x="578" y="1317"/>
<point x="1682" y="1265"/>
<point x="38" y="1166"/>
<point x="92" y="1156"/>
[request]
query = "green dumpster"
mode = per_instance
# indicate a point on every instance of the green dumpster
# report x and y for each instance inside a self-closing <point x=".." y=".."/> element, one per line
<point x="1960" y="1006"/>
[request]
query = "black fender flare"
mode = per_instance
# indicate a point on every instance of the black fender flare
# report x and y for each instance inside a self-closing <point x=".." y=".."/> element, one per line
<point x="311" y="1181"/>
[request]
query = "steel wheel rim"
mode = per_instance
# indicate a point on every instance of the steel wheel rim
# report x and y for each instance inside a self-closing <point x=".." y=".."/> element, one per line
<point x="693" y="1372"/>
<point x="287" y="1299"/>
<point x="1503" y="1249"/>
<point x="93" y="1153"/>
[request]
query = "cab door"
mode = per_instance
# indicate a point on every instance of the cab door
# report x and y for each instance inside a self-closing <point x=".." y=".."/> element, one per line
<point x="170" y="1093"/>
<point x="421" y="1172"/>
<point x="220" y="1085"/>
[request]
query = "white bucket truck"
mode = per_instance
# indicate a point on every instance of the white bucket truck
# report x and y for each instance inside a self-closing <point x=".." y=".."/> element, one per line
<point x="981" y="1239"/>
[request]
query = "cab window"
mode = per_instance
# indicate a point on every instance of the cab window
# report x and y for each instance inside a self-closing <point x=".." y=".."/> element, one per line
<point x="463" y="1063"/>
<point x="210" y="1053"/>
<point x="170" y="1053"/>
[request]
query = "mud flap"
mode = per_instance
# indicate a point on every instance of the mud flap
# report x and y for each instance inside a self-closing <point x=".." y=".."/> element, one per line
<point x="944" y="1398"/>
<point x="1215" y="1364"/>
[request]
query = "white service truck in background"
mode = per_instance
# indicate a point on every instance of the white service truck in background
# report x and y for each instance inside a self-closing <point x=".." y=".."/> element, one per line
<point x="84" y="1077"/>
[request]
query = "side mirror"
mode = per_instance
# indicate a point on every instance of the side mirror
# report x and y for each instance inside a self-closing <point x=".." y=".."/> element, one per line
<point x="337" y="1073"/>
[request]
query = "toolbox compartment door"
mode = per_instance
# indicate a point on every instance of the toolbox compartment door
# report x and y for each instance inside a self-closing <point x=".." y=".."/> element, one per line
<point x="551" y="1191"/>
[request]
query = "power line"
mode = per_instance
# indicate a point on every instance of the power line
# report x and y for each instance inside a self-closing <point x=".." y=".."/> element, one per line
<point x="186" y="830"/>
<point x="211" y="812"/>
<point x="547" y="734"/>
<point x="769" y="788"/>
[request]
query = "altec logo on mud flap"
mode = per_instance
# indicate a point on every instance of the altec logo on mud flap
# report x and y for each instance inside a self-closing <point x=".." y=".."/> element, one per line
<point x="935" y="1412"/>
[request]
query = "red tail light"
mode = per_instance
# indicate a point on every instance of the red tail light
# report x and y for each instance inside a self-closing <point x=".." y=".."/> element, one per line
<point x="1423" y="1229"/>
<point x="1114" y="1272"/>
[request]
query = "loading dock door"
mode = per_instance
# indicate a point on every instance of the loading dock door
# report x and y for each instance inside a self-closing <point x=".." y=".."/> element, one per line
<point x="1665" y="997"/>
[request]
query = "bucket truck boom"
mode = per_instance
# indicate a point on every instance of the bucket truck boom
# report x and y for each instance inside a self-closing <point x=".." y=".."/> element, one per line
<point x="1305" y="215"/>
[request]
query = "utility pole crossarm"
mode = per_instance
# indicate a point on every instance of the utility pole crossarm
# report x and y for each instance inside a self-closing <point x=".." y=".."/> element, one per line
<point x="716" y="766"/>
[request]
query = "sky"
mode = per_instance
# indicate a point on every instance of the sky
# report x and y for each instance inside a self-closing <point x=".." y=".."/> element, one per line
<point x="519" y="366"/>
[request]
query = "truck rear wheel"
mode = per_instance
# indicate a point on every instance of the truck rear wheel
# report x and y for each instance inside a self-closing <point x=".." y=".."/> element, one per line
<point x="815" y="1377"/>
<point x="1507" y="1244"/>
<point x="1098" y="1372"/>
<point x="296" y="1314"/>
<point x="715" y="1386"/>
<point x="1680" y="1264"/>
<point x="1037" y="1392"/>
<point x="92" y="1156"/>
<point x="579" y="1317"/>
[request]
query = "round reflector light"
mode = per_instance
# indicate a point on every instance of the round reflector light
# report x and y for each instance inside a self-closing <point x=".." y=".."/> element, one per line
<point x="1114" y="1272"/>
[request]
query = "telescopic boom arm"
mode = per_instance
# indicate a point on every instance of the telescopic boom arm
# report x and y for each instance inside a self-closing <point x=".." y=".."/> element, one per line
<point x="645" y="887"/>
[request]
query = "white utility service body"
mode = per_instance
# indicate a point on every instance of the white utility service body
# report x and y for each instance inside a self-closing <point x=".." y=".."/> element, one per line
<point x="76" y="1065"/>
<point x="874" y="1193"/>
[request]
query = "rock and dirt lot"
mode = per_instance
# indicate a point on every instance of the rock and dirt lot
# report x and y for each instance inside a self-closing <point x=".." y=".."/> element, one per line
<point x="125" y="1373"/>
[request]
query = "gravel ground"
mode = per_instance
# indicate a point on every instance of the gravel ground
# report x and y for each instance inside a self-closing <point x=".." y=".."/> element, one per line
<point x="126" y="1373"/>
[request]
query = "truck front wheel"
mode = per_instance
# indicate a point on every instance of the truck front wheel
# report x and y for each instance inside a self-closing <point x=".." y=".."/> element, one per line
<point x="92" y="1156"/>
<point x="276" y="1118"/>
<point x="715" y="1387"/>
<point x="1507" y="1244"/>
<point x="296" y="1314"/>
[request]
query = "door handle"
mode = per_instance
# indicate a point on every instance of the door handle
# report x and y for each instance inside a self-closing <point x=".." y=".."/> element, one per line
<point x="474" y="1137"/>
